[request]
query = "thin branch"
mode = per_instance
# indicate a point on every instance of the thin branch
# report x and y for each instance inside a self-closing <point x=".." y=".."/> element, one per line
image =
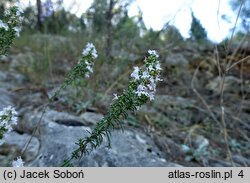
<point x="201" y="98"/>
<point x="34" y="131"/>
<point x="231" y="39"/>
<point x="240" y="61"/>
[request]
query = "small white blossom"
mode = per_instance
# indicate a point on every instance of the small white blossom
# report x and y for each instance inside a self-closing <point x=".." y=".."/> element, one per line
<point x="158" y="79"/>
<point x="135" y="73"/>
<point x="89" y="67"/>
<point x="94" y="54"/>
<point x="115" y="96"/>
<point x="17" y="30"/>
<point x="148" y="77"/>
<point x="141" y="89"/>
<point x="158" y="66"/>
<point x="151" y="85"/>
<point x="8" y="118"/>
<point x="90" y="49"/>
<point x="138" y="107"/>
<point x="145" y="75"/>
<point x="153" y="52"/>
<point x="20" y="18"/>
<point x="151" y="95"/>
<point x="150" y="68"/>
<point x="4" y="25"/>
<point x="87" y="75"/>
<point x="18" y="163"/>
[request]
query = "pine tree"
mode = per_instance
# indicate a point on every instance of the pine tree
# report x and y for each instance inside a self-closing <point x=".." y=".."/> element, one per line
<point x="197" y="32"/>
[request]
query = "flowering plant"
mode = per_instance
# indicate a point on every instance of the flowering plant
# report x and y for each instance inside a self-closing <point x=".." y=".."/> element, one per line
<point x="140" y="89"/>
<point x="8" y="118"/>
<point x="10" y="27"/>
<point x="82" y="70"/>
<point x="18" y="163"/>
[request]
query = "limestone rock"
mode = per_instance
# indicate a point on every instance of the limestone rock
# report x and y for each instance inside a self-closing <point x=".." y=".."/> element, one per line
<point x="14" y="144"/>
<point x="130" y="148"/>
<point x="231" y="85"/>
<point x="91" y="118"/>
<point x="177" y="60"/>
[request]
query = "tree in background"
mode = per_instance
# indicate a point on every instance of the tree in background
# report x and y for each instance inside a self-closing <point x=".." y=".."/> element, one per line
<point x="43" y="10"/>
<point x="197" y="32"/>
<point x="96" y="16"/>
<point x="106" y="22"/>
<point x="109" y="17"/>
<point x="128" y="32"/>
<point x="2" y="7"/>
<point x="172" y="34"/>
<point x="104" y="16"/>
<point x="39" y="17"/>
<point x="50" y="17"/>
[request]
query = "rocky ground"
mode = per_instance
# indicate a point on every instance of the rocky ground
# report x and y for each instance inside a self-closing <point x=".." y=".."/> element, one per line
<point x="182" y="127"/>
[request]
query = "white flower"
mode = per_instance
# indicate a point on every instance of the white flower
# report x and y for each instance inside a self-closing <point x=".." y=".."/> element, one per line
<point x="115" y="96"/>
<point x="138" y="107"/>
<point x="153" y="52"/>
<point x="18" y="163"/>
<point x="151" y="68"/>
<point x="90" y="49"/>
<point x="94" y="54"/>
<point x="141" y="89"/>
<point x="158" y="66"/>
<point x="149" y="77"/>
<point x="135" y="73"/>
<point x="89" y="67"/>
<point x="4" y="25"/>
<point x="17" y="30"/>
<point x="87" y="75"/>
<point x="8" y="117"/>
<point x="158" y="79"/>
<point x="85" y="51"/>
<point x="145" y="75"/>
<point x="151" y="95"/>
<point x="151" y="85"/>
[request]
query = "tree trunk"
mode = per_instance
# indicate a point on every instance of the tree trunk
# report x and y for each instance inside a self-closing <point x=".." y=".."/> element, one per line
<point x="39" y="12"/>
<point x="109" y="40"/>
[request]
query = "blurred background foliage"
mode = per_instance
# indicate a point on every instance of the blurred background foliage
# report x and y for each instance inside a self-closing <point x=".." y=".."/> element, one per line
<point x="120" y="39"/>
<point x="52" y="40"/>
